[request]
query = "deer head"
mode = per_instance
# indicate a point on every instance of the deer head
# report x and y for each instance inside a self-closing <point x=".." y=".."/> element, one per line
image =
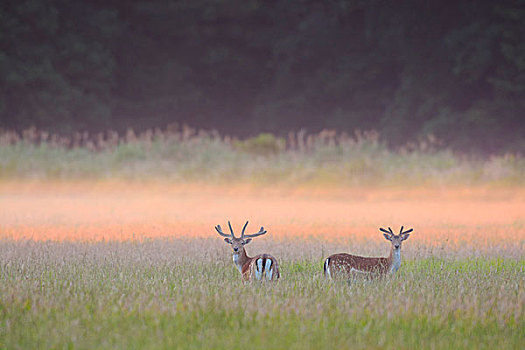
<point x="238" y="243"/>
<point x="396" y="239"/>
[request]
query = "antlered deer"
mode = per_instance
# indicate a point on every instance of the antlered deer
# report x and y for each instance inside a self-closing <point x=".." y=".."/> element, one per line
<point x="352" y="265"/>
<point x="260" y="267"/>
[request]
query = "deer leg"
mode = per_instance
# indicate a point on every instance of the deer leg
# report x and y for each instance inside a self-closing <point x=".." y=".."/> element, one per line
<point x="268" y="269"/>
<point x="258" y="269"/>
<point x="327" y="268"/>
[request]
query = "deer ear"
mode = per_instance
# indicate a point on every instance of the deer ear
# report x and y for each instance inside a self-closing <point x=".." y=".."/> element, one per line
<point x="247" y="241"/>
<point x="388" y="237"/>
<point x="227" y="240"/>
<point x="405" y="236"/>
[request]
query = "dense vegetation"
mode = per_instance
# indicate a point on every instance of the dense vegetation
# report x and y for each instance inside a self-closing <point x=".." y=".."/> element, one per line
<point x="187" y="295"/>
<point x="88" y="265"/>
<point x="189" y="155"/>
<point x="455" y="69"/>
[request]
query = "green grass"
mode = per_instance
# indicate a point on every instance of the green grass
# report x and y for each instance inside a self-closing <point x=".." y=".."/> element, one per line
<point x="206" y="157"/>
<point x="155" y="295"/>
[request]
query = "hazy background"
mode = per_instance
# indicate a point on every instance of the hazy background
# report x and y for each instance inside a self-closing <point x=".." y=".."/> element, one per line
<point x="455" y="69"/>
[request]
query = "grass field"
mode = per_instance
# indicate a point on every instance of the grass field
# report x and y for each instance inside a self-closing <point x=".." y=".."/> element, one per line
<point x="185" y="155"/>
<point x="138" y="265"/>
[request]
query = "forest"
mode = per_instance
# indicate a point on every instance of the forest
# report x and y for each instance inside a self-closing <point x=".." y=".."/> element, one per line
<point x="407" y="69"/>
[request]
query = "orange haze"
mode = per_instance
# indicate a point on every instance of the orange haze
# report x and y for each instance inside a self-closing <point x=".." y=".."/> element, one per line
<point x="119" y="211"/>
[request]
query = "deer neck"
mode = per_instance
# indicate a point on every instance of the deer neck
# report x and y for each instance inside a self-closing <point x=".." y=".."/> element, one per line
<point x="394" y="259"/>
<point x="240" y="258"/>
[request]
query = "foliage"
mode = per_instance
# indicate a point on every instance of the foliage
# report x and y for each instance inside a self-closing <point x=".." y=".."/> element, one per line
<point x="454" y="69"/>
<point x="264" y="144"/>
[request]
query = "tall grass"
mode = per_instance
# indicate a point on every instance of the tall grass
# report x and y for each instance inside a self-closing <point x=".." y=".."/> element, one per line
<point x="187" y="294"/>
<point x="187" y="154"/>
<point x="141" y="267"/>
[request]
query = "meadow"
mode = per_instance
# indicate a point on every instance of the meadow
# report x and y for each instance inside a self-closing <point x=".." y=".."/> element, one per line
<point x="140" y="266"/>
<point x="186" y="155"/>
<point x="125" y="256"/>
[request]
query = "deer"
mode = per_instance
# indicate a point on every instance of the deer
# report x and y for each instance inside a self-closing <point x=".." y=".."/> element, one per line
<point x="353" y="265"/>
<point x="259" y="267"/>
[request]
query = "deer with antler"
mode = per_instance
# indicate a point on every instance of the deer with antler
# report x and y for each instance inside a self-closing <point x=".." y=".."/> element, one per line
<point x="260" y="267"/>
<point x="351" y="265"/>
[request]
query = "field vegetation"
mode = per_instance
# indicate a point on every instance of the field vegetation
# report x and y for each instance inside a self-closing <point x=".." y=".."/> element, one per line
<point x="187" y="294"/>
<point x="107" y="241"/>
<point x="189" y="155"/>
<point x="134" y="265"/>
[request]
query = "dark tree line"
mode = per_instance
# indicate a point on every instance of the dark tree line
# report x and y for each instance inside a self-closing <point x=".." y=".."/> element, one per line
<point x="455" y="69"/>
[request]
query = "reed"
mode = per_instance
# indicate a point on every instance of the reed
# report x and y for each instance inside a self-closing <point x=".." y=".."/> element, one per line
<point x="185" y="154"/>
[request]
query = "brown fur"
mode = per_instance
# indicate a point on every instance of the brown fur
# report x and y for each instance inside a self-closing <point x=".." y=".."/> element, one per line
<point x="342" y="264"/>
<point x="347" y="265"/>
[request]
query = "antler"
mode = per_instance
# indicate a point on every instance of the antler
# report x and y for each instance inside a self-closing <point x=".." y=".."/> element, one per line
<point x="262" y="231"/>
<point x="219" y="230"/>
<point x="243" y="229"/>
<point x="390" y="232"/>
<point x="402" y="233"/>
